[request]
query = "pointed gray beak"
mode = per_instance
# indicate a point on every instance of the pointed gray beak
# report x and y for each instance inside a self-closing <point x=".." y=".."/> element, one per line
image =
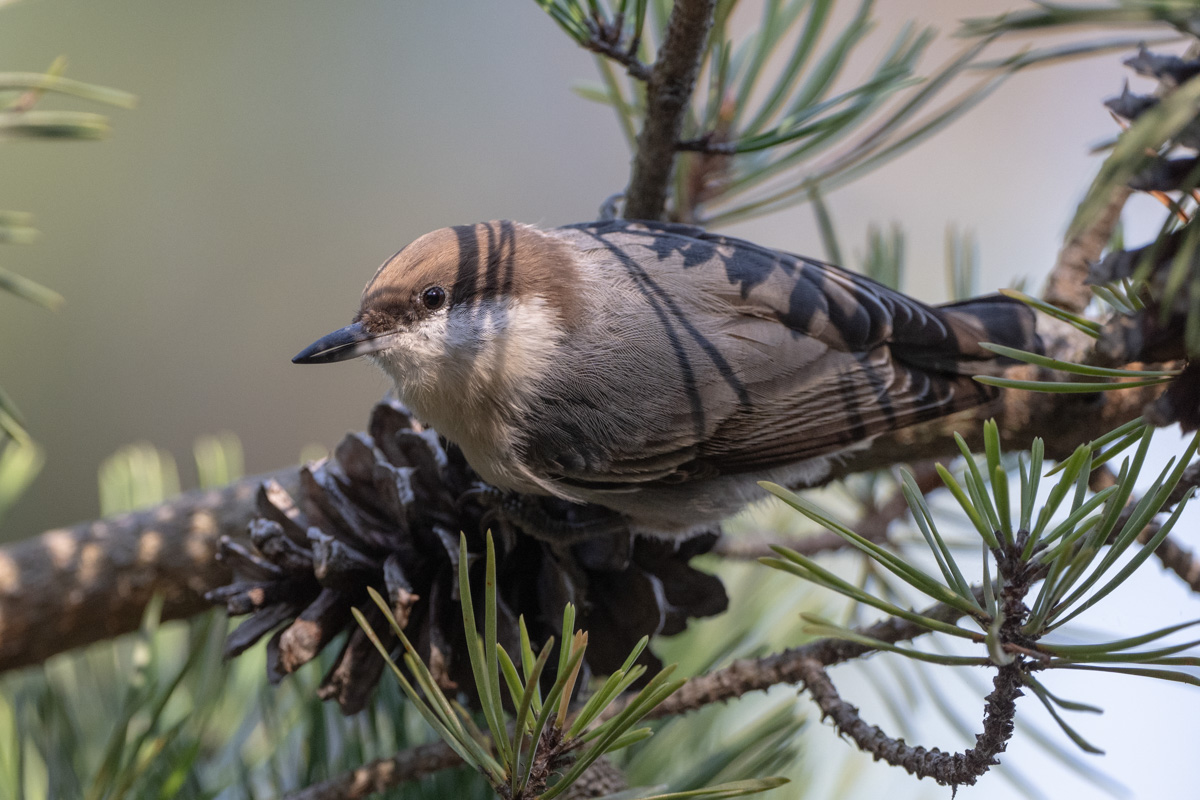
<point x="351" y="341"/>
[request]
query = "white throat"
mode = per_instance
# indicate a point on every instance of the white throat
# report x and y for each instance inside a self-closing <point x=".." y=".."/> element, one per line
<point x="470" y="371"/>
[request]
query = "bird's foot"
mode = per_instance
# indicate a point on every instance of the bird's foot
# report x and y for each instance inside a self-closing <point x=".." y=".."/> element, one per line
<point x="566" y="524"/>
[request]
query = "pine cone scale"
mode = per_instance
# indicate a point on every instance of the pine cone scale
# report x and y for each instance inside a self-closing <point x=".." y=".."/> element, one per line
<point x="384" y="510"/>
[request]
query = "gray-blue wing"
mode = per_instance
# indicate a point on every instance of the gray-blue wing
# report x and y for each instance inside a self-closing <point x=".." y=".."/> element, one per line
<point x="808" y="359"/>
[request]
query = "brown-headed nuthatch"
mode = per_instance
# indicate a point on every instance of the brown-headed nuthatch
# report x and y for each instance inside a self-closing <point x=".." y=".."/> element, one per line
<point x="657" y="369"/>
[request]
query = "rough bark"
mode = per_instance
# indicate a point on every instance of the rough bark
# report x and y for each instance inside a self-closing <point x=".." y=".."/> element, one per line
<point x="74" y="586"/>
<point x="1066" y="286"/>
<point x="379" y="775"/>
<point x="667" y="94"/>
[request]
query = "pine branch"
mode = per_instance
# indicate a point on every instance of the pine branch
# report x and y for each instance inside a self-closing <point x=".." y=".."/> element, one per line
<point x="1066" y="286"/>
<point x="382" y="774"/>
<point x="741" y="677"/>
<point x="948" y="769"/>
<point x="667" y="94"/>
<point x="951" y="769"/>
<point x="74" y="586"/>
<point x="71" y="587"/>
<point x="1180" y="560"/>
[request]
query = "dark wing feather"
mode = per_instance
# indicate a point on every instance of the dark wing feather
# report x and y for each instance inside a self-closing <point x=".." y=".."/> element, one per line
<point x="813" y="358"/>
<point x="831" y="414"/>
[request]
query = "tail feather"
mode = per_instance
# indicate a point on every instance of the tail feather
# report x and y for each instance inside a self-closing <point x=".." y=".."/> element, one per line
<point x="991" y="318"/>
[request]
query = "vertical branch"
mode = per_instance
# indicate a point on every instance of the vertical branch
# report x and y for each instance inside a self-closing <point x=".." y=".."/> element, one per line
<point x="1067" y="286"/>
<point x="667" y="94"/>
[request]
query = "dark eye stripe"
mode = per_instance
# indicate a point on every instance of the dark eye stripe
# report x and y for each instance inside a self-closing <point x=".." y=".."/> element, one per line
<point x="433" y="298"/>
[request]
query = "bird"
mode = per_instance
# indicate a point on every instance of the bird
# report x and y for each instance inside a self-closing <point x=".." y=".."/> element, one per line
<point x="656" y="369"/>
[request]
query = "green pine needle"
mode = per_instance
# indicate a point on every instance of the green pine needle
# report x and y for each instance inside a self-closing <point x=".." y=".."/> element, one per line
<point x="1061" y="387"/>
<point x="1076" y="369"/>
<point x="1081" y="323"/>
<point x="725" y="790"/>
<point x="1045" y="698"/>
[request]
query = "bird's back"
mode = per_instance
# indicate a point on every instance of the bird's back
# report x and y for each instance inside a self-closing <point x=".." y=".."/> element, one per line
<point x="724" y="359"/>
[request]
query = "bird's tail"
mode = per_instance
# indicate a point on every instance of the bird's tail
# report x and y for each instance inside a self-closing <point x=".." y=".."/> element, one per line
<point x="991" y="318"/>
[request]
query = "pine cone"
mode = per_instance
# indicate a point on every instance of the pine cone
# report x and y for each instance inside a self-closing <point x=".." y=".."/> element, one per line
<point x="385" y="511"/>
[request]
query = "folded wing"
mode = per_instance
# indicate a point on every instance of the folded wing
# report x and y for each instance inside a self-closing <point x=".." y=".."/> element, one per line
<point x="809" y="358"/>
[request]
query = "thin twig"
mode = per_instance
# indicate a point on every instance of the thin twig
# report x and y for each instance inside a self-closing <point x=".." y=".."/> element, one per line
<point x="951" y="769"/>
<point x="382" y="774"/>
<point x="667" y="94"/>
<point x="624" y="56"/>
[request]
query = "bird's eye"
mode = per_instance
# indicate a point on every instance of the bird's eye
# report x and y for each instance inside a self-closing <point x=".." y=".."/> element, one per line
<point x="433" y="298"/>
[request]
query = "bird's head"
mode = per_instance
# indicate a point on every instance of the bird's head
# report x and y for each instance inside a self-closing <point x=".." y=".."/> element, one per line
<point x="461" y="309"/>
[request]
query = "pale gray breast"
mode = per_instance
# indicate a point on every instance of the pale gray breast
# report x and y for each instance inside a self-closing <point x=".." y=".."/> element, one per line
<point x="661" y="365"/>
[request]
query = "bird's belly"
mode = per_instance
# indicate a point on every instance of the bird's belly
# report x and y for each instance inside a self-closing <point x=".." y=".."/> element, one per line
<point x="501" y="467"/>
<point x="486" y="441"/>
<point x="674" y="511"/>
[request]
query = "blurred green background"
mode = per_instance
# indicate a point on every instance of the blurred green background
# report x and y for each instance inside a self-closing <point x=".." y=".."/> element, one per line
<point x="281" y="150"/>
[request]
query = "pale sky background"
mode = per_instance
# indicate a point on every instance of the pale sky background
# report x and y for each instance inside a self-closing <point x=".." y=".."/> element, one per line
<point x="281" y="150"/>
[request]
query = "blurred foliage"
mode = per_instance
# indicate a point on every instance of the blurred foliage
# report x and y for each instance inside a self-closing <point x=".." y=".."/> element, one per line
<point x="884" y="260"/>
<point x="1155" y="287"/>
<point x="760" y="139"/>
<point x="1045" y="17"/>
<point x="136" y="476"/>
<point x="767" y="741"/>
<point x="160" y="714"/>
<point x="20" y="92"/>
<point x="962" y="264"/>
<point x="1146" y="305"/>
<point x="20" y="461"/>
